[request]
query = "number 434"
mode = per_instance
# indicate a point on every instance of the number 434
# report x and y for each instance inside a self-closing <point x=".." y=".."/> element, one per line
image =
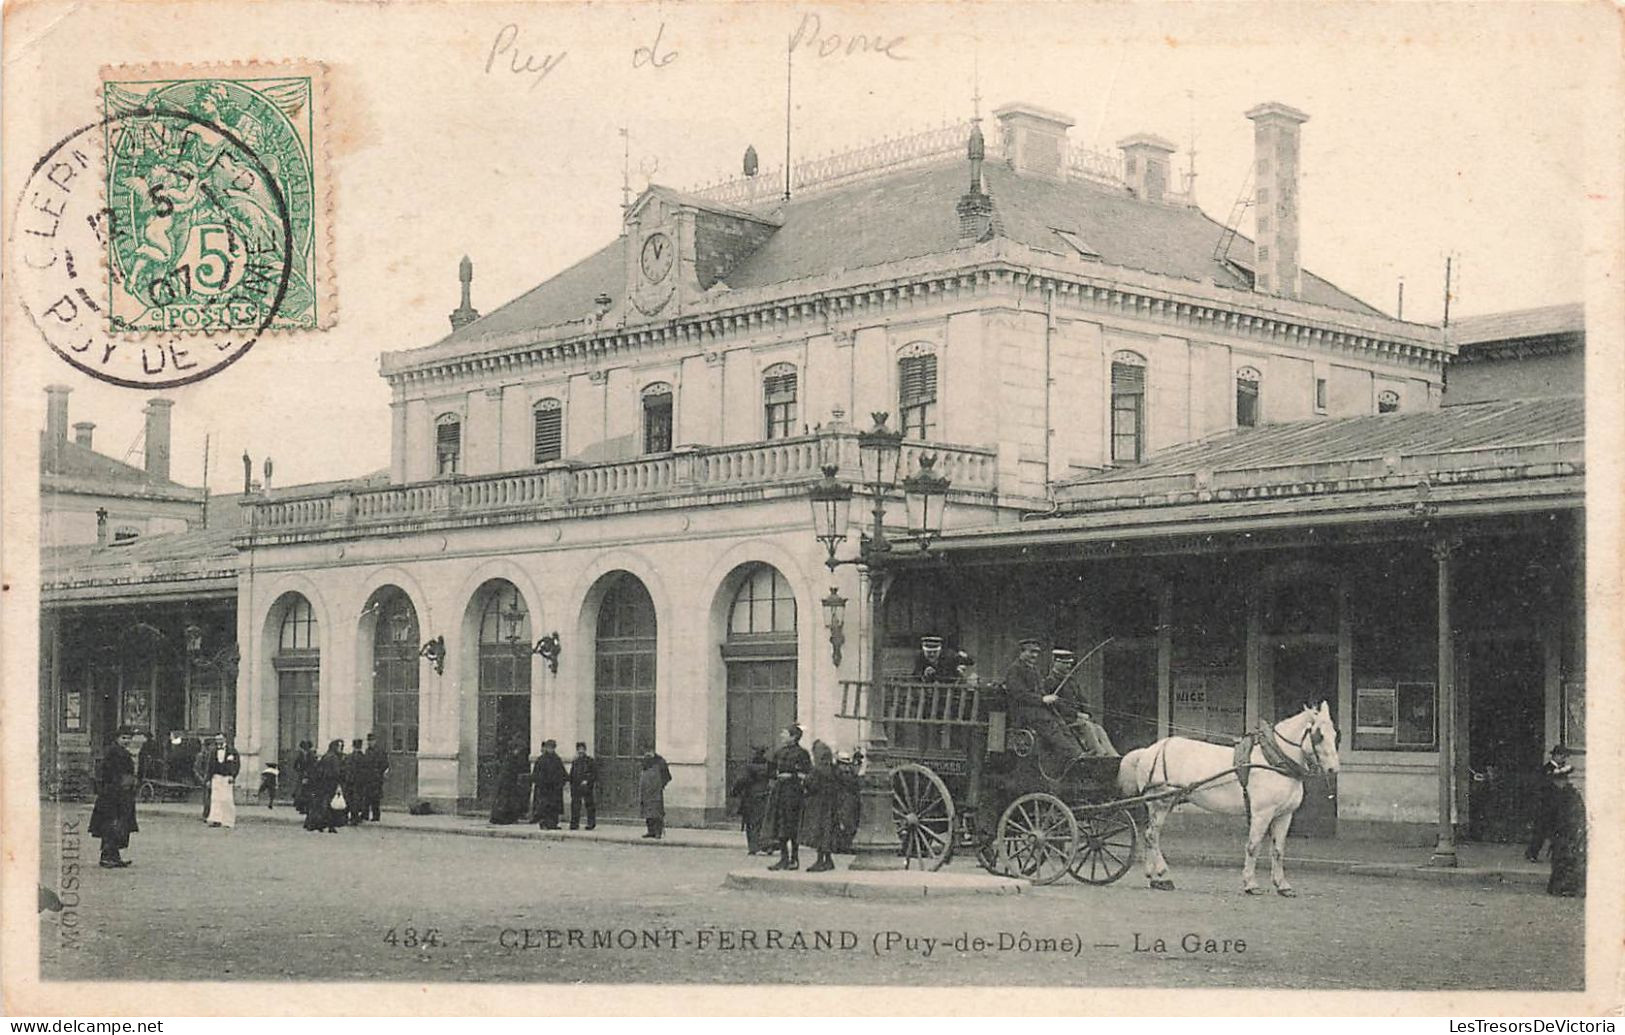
<point x="412" y="938"/>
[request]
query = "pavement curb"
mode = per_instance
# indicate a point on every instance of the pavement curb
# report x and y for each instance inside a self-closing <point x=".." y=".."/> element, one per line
<point x="893" y="885"/>
<point x="1510" y="879"/>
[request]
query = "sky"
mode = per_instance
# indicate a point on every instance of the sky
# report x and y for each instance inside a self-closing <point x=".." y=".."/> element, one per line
<point x="1434" y="130"/>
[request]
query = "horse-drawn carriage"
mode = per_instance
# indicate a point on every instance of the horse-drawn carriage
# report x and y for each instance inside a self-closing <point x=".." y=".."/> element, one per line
<point x="964" y="780"/>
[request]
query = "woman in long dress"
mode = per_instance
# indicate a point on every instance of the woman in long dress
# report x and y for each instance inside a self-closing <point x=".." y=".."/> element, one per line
<point x="652" y="780"/>
<point x="820" y="823"/>
<point x="324" y="782"/>
<point x="224" y="765"/>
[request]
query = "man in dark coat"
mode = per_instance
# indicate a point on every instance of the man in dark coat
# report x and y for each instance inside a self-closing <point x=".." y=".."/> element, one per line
<point x="791" y="764"/>
<point x="1034" y="704"/>
<point x="304" y="767"/>
<point x="583" y="787"/>
<point x="355" y="782"/>
<point x="751" y="789"/>
<point x="652" y="781"/>
<point x="377" y="768"/>
<point x="935" y="664"/>
<point x="850" y="798"/>
<point x="1568" y="837"/>
<point x="1546" y="803"/>
<point x="113" y="817"/>
<point x="548" y="777"/>
<point x="509" y="797"/>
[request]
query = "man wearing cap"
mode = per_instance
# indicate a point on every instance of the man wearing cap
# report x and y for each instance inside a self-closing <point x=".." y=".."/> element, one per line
<point x="112" y="820"/>
<point x="376" y="768"/>
<point x="549" y="776"/>
<point x="933" y="664"/>
<point x="583" y="787"/>
<point x="1096" y="742"/>
<point x="1034" y="703"/>
<point x="1546" y="804"/>
<point x="791" y="764"/>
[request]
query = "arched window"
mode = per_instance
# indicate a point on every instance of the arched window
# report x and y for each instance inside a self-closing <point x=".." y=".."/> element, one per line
<point x="764" y="605"/>
<point x="1247" y="381"/>
<point x="779" y="399"/>
<point x="298" y="675"/>
<point x="1387" y="401"/>
<point x="1128" y="407"/>
<point x="917" y="391"/>
<point x="657" y="417"/>
<point x="504" y="682"/>
<point x="548" y="418"/>
<point x="760" y="653"/>
<point x="448" y="444"/>
<point x="395" y="665"/>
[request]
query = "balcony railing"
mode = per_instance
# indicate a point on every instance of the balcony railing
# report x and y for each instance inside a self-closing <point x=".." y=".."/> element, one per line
<point x="790" y="463"/>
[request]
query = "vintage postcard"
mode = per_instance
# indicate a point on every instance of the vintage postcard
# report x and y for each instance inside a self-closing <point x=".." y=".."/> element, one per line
<point x="885" y="508"/>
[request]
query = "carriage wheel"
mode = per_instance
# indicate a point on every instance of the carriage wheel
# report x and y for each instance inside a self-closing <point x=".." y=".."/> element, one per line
<point x="1105" y="846"/>
<point x="923" y="810"/>
<point x="1037" y="837"/>
<point x="987" y="856"/>
<point x="1020" y="742"/>
<point x="148" y="792"/>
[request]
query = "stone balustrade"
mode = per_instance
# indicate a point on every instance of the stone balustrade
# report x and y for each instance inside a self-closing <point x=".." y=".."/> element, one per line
<point x="692" y="471"/>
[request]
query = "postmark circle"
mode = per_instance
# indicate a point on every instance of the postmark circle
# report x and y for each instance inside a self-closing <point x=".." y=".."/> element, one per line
<point x="195" y="225"/>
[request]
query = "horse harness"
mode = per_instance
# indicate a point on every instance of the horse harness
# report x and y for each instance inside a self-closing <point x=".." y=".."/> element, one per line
<point x="1266" y="740"/>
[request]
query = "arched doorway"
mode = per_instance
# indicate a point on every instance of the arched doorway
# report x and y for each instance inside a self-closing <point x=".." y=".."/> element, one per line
<point x="395" y="670"/>
<point x="504" y="681"/>
<point x="760" y="652"/>
<point x="623" y="690"/>
<point x="298" y="663"/>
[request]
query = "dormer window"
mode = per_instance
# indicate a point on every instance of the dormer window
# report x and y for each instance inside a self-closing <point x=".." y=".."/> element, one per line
<point x="779" y="400"/>
<point x="448" y="444"/>
<point x="125" y="534"/>
<point x="548" y="420"/>
<point x="657" y="412"/>
<point x="1247" y="382"/>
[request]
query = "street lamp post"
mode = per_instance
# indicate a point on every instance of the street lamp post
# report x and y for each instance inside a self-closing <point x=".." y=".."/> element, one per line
<point x="925" y="494"/>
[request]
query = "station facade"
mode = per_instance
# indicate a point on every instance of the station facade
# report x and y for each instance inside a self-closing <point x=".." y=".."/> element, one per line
<point x="597" y="526"/>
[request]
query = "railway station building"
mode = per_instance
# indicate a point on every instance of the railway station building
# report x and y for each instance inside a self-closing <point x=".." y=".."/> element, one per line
<point x="1156" y="430"/>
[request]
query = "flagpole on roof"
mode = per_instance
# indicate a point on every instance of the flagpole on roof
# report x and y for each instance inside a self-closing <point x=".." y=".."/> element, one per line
<point x="789" y="64"/>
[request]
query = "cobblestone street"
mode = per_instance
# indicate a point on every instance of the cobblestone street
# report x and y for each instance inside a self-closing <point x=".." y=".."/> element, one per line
<point x="269" y="902"/>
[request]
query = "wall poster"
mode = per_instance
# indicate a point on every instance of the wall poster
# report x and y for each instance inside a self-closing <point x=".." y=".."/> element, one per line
<point x="1418" y="708"/>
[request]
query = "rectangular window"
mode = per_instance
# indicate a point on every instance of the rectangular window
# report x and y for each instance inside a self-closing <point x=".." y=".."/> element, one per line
<point x="549" y="433"/>
<point x="448" y="446"/>
<point x="1320" y="395"/>
<point x="917" y="396"/>
<point x="1246" y="403"/>
<point x="1128" y="413"/>
<point x="779" y="398"/>
<point x="657" y="423"/>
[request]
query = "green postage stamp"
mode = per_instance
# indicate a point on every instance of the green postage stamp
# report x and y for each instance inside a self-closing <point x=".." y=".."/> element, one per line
<point x="216" y="197"/>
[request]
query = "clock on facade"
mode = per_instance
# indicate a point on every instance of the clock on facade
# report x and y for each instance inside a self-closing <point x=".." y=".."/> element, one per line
<point x="658" y="252"/>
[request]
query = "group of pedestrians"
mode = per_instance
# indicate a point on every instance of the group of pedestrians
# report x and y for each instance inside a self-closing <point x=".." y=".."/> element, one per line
<point x="534" y="791"/>
<point x="798" y="798"/>
<point x="340" y="788"/>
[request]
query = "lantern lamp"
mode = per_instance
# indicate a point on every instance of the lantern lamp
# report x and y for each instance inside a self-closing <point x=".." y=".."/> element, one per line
<point x="831" y="501"/>
<point x="925" y="495"/>
<point x="835" y="620"/>
<point x="880" y="450"/>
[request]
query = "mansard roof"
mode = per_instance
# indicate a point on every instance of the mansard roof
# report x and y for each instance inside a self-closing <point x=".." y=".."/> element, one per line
<point x="910" y="214"/>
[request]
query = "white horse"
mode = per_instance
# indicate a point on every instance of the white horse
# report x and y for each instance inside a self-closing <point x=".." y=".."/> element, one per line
<point x="1191" y="770"/>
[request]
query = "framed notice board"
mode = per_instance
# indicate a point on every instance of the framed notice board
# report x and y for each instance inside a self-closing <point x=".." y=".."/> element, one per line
<point x="1417" y="719"/>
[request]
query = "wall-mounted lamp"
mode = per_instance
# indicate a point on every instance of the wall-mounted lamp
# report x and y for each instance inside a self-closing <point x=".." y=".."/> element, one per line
<point x="548" y="647"/>
<point x="435" y="651"/>
<point x="835" y="619"/>
<point x="194" y="638"/>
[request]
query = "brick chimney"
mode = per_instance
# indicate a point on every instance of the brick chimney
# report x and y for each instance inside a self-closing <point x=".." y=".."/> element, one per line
<point x="1146" y="165"/>
<point x="158" y="439"/>
<point x="1034" y="140"/>
<point x="1275" y="200"/>
<point x="56" y="413"/>
<point x="82" y="432"/>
